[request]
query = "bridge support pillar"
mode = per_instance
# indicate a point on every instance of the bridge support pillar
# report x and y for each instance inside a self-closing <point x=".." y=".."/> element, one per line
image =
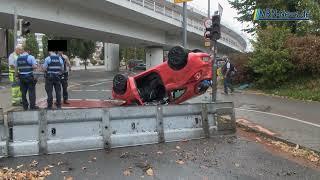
<point x="111" y="57"/>
<point x="154" y="56"/>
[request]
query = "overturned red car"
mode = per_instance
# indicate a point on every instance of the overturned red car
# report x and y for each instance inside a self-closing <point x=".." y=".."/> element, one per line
<point x="186" y="74"/>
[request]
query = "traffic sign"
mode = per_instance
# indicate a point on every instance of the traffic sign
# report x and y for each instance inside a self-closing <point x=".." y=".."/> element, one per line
<point x="207" y="43"/>
<point x="207" y="35"/>
<point x="207" y="23"/>
<point x="181" y="1"/>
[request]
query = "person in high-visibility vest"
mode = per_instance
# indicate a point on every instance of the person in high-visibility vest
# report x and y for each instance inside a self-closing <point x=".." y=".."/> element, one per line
<point x="15" y="87"/>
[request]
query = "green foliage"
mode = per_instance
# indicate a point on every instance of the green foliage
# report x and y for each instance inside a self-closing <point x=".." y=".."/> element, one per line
<point x="102" y="53"/>
<point x="270" y="58"/>
<point x="246" y="9"/>
<point x="244" y="73"/>
<point x="4" y="65"/>
<point x="31" y="45"/>
<point x="304" y="54"/>
<point x="10" y="41"/>
<point x="93" y="62"/>
<point x="301" y="87"/>
<point x="311" y="27"/>
<point x="132" y="53"/>
<point x="45" y="46"/>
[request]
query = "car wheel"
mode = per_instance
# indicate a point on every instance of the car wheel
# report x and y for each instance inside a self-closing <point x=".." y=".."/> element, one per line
<point x="196" y="51"/>
<point x="120" y="84"/>
<point x="177" y="58"/>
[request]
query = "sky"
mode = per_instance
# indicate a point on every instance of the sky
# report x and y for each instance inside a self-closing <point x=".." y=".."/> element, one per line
<point x="228" y="15"/>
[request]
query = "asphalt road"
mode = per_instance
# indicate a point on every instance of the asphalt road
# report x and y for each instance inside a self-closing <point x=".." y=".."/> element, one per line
<point x="226" y="158"/>
<point x="91" y="84"/>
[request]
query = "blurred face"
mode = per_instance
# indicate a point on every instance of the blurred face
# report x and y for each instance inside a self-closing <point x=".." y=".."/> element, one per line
<point x="18" y="51"/>
<point x="60" y="52"/>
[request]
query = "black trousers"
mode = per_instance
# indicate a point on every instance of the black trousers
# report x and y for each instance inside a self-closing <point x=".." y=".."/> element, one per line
<point x="27" y="85"/>
<point x="49" y="85"/>
<point x="64" y="84"/>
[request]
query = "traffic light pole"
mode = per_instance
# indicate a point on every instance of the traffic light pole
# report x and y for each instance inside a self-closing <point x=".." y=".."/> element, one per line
<point x="184" y="34"/>
<point x="214" y="72"/>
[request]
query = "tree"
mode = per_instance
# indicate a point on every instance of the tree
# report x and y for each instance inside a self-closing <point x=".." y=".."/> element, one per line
<point x="246" y="9"/>
<point x="102" y="53"/>
<point x="270" y="58"/>
<point x="45" y="45"/>
<point x="31" y="45"/>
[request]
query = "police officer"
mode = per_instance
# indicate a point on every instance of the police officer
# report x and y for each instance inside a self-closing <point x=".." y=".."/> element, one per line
<point x="15" y="88"/>
<point x="25" y="65"/>
<point x="65" y="76"/>
<point x="53" y="65"/>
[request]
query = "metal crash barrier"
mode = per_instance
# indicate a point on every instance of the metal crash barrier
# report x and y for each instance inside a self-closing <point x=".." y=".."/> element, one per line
<point x="3" y="136"/>
<point x="59" y="131"/>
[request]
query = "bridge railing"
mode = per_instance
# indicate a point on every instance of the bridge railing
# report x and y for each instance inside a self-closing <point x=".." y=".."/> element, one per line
<point x="161" y="8"/>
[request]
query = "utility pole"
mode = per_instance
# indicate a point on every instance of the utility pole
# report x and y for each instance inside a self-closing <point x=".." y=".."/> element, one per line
<point x="209" y="6"/>
<point x="185" y="23"/>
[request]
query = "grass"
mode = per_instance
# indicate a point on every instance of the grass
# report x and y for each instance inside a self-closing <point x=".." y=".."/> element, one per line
<point x="302" y="88"/>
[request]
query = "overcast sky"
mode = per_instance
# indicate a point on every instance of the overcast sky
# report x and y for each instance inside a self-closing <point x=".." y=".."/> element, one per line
<point x="228" y="16"/>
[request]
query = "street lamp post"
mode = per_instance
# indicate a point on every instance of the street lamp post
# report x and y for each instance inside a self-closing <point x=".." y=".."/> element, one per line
<point x="184" y="34"/>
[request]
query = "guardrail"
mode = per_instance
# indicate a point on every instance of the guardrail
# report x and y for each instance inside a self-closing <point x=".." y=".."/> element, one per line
<point x="3" y="136"/>
<point x="58" y="131"/>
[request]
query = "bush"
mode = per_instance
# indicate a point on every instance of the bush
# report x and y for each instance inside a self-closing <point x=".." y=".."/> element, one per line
<point x="244" y="72"/>
<point x="4" y="65"/>
<point x="101" y="62"/>
<point x="305" y="53"/>
<point x="270" y="58"/>
<point x="93" y="62"/>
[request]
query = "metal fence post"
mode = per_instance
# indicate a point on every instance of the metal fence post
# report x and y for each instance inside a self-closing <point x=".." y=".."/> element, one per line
<point x="205" y="121"/>
<point x="4" y="136"/>
<point x="106" y="129"/>
<point x="43" y="132"/>
<point x="160" y="129"/>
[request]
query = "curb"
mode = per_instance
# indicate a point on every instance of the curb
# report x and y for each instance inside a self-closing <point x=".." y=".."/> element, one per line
<point x="249" y="129"/>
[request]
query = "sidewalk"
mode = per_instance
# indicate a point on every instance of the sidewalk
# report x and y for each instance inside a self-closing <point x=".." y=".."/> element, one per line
<point x="294" y="121"/>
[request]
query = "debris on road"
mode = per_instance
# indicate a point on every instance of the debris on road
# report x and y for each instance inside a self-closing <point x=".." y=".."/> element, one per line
<point x="9" y="173"/>
<point x="178" y="147"/>
<point x="159" y="152"/>
<point x="20" y="166"/>
<point x="127" y="172"/>
<point x="180" y="161"/>
<point x="68" y="178"/>
<point x="149" y="172"/>
<point x="34" y="163"/>
<point x="296" y="151"/>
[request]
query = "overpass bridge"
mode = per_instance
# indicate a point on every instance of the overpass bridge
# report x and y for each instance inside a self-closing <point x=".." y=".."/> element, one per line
<point x="156" y="25"/>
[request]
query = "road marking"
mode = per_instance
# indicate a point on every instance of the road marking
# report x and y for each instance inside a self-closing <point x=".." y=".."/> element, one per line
<point x="279" y="115"/>
<point x="77" y="90"/>
<point x="91" y="90"/>
<point x="97" y="84"/>
<point x="106" y="90"/>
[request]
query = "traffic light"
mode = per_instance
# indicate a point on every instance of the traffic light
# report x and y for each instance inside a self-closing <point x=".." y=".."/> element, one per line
<point x="213" y="32"/>
<point x="25" y="27"/>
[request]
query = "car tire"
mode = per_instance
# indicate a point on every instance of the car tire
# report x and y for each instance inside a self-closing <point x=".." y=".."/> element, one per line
<point x="197" y="51"/>
<point x="177" y="58"/>
<point x="120" y="84"/>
